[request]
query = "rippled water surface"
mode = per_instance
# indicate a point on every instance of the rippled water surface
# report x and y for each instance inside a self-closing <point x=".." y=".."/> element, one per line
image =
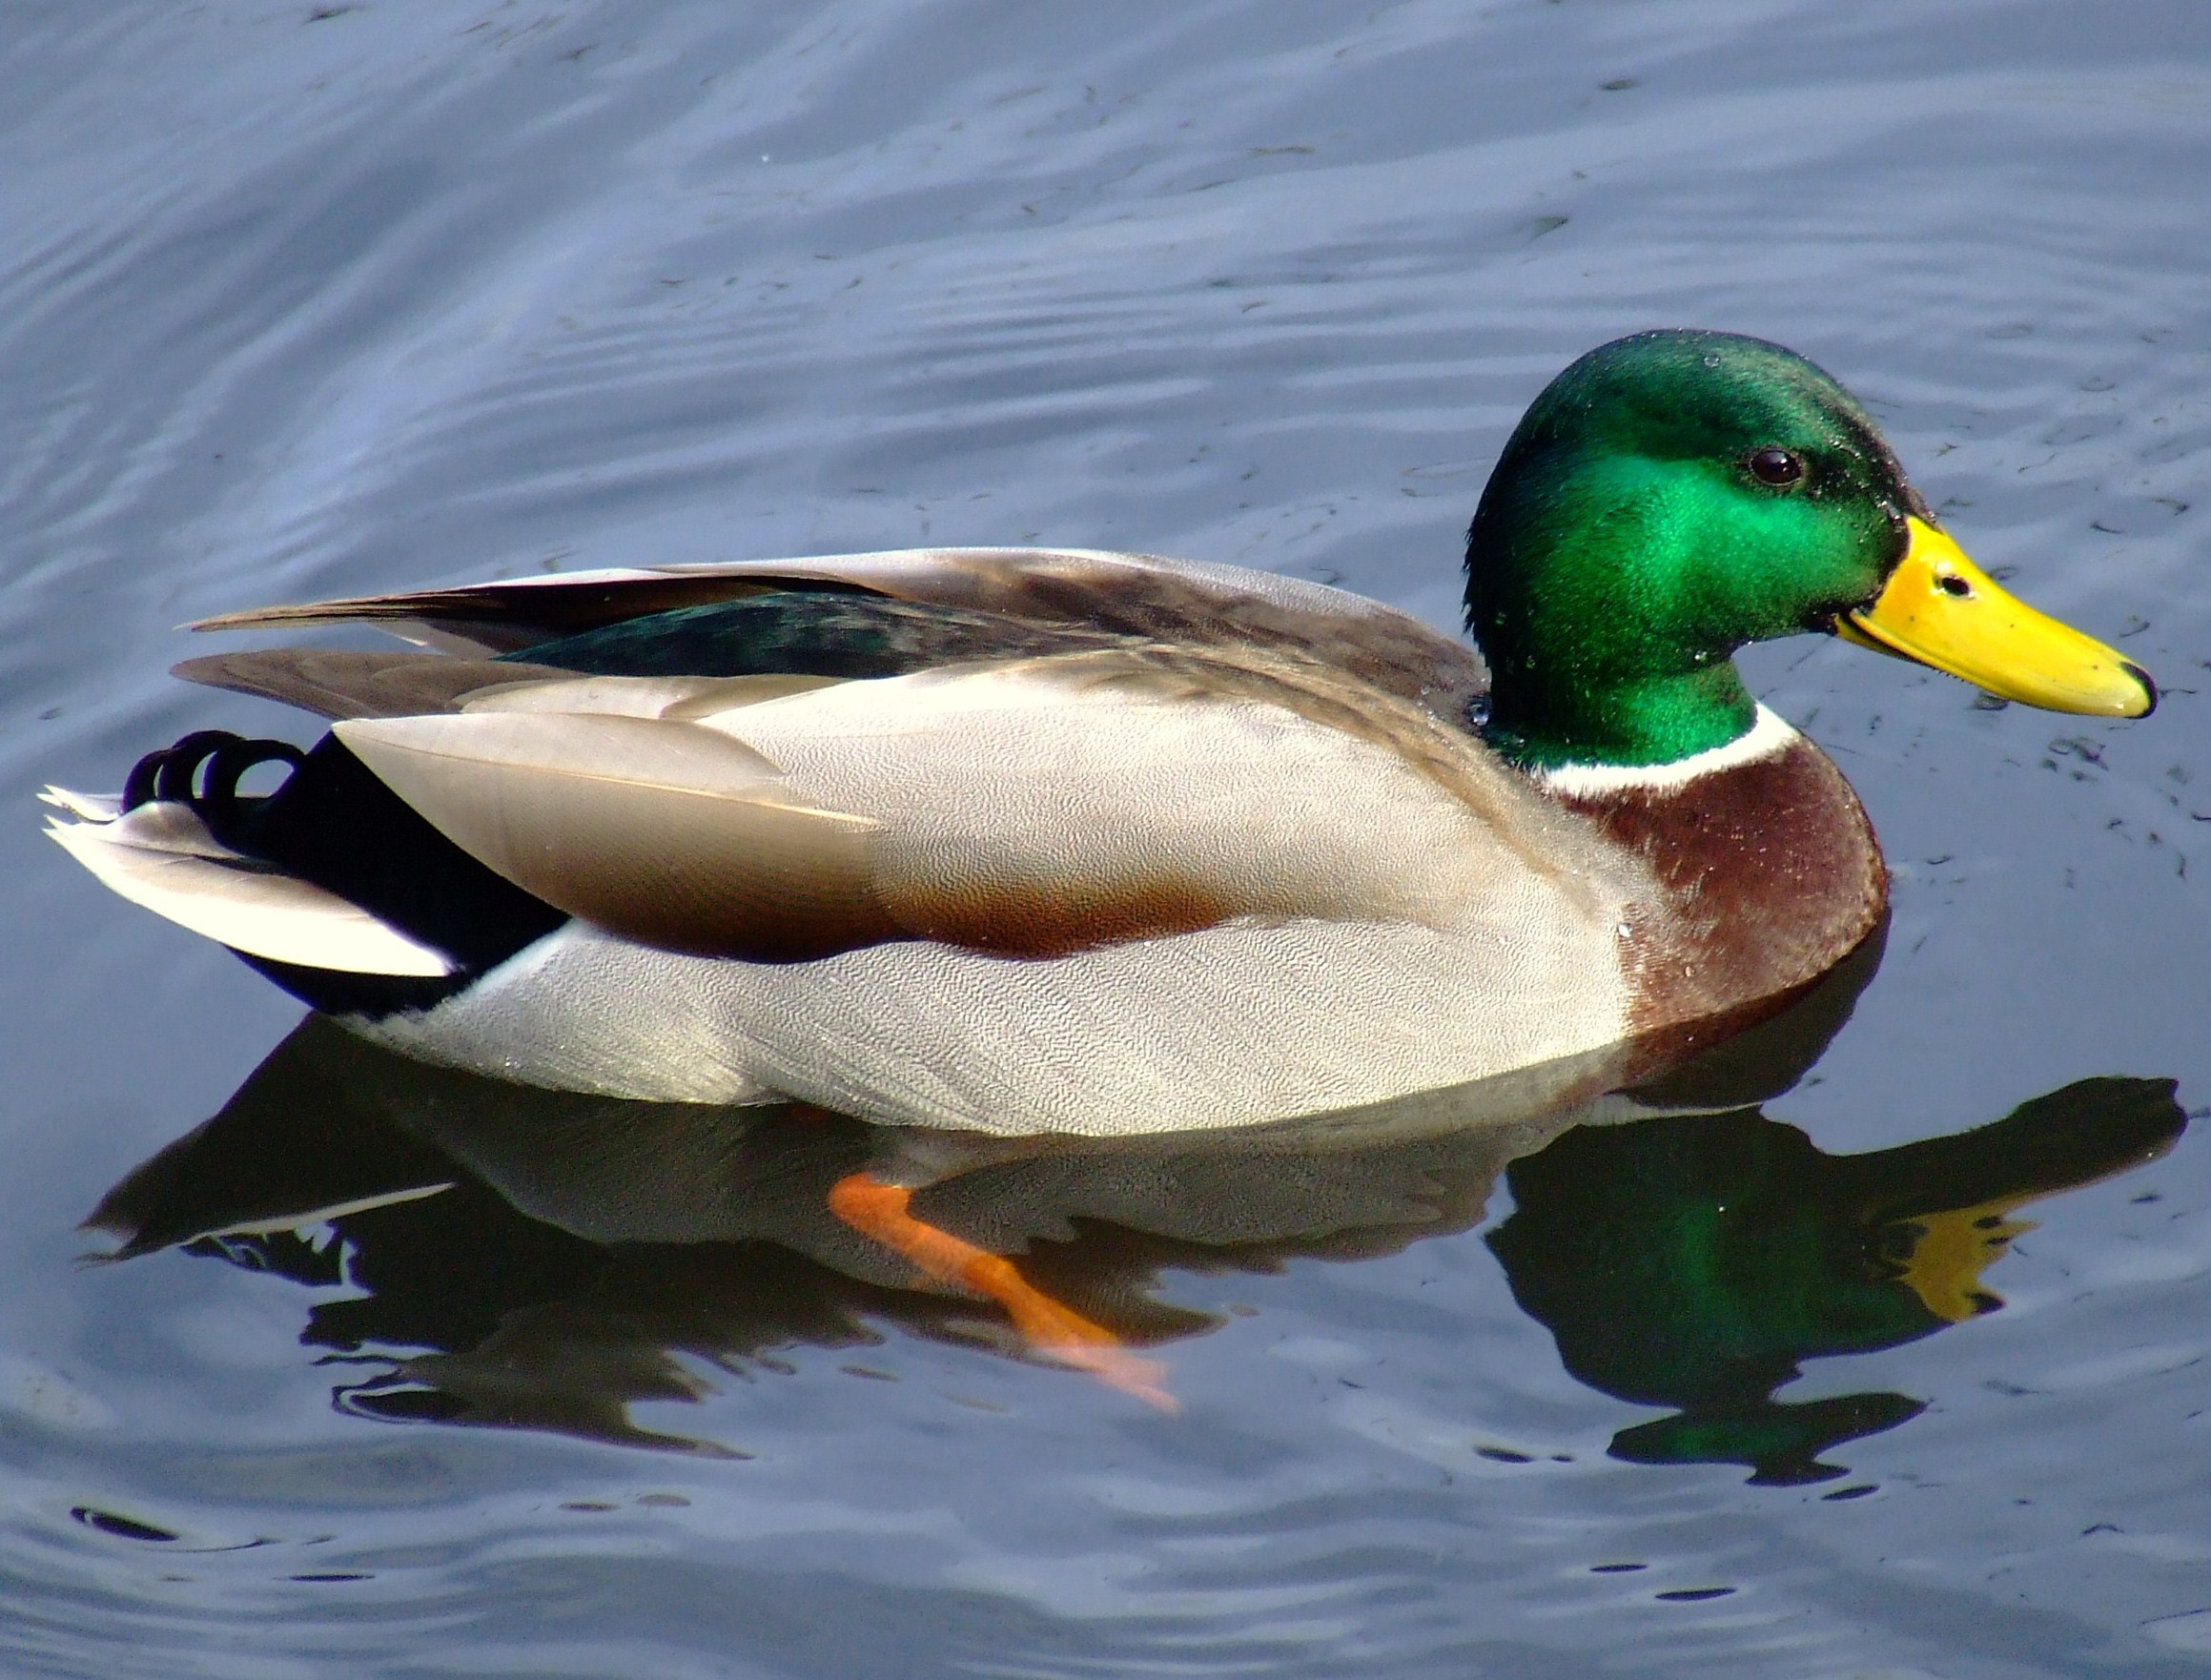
<point x="303" y="300"/>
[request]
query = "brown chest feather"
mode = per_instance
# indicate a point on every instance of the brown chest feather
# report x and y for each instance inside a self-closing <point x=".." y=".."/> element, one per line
<point x="1770" y="874"/>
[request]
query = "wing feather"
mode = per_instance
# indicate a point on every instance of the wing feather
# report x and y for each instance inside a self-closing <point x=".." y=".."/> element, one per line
<point x="679" y="836"/>
<point x="1029" y="809"/>
<point x="1125" y="594"/>
<point x="343" y="684"/>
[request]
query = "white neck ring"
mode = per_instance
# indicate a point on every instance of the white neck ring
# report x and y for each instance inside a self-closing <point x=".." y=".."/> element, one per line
<point x="1767" y="737"/>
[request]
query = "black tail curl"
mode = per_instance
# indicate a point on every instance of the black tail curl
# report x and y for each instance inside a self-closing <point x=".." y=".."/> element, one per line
<point x="333" y="823"/>
<point x="202" y="772"/>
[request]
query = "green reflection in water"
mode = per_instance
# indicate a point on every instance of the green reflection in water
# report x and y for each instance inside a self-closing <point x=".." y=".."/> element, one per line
<point x="1696" y="1261"/>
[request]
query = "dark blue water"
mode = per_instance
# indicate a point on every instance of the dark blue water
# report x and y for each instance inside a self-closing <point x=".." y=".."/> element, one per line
<point x="299" y="300"/>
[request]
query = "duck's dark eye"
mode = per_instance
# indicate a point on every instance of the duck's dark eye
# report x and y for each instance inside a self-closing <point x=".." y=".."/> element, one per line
<point x="1778" y="467"/>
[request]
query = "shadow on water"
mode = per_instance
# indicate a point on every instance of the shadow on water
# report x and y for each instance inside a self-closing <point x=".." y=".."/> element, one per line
<point x="539" y="1259"/>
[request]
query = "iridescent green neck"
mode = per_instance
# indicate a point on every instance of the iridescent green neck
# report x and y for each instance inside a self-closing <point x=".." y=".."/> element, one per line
<point x="1653" y="721"/>
<point x="1606" y="590"/>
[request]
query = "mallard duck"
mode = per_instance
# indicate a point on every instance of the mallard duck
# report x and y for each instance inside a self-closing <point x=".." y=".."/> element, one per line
<point x="1028" y="841"/>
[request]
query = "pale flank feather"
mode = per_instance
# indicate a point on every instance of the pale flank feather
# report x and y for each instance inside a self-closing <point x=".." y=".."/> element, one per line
<point x="1095" y="893"/>
<point x="1034" y="808"/>
<point x="1230" y="1026"/>
<point x="161" y="856"/>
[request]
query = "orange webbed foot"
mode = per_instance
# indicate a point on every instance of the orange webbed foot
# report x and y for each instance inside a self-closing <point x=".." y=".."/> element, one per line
<point x="880" y="1211"/>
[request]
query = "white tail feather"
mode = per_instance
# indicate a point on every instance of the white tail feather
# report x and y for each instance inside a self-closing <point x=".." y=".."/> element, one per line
<point x="162" y="857"/>
<point x="92" y="808"/>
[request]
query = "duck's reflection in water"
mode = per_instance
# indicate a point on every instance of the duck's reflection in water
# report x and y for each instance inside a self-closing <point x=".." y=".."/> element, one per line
<point x="1697" y="1261"/>
<point x="550" y="1254"/>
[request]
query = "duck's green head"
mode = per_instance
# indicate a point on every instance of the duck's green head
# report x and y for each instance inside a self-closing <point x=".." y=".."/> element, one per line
<point x="1674" y="495"/>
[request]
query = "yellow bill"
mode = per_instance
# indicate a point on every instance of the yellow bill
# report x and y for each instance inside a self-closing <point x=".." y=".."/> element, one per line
<point x="1941" y="610"/>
